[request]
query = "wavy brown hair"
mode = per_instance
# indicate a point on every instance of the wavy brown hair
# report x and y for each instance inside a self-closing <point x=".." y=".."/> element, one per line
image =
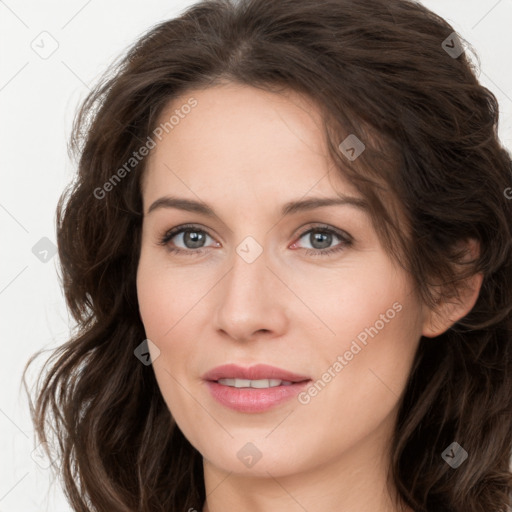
<point x="377" y="69"/>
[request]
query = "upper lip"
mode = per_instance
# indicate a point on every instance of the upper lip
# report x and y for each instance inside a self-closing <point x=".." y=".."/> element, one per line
<point x="257" y="372"/>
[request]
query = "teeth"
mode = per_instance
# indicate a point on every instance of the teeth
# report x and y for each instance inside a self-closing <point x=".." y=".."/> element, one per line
<point x="260" y="384"/>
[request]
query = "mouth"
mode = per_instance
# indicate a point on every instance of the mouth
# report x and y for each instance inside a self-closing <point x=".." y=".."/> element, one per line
<point x="255" y="389"/>
<point x="262" y="375"/>
<point x="257" y="384"/>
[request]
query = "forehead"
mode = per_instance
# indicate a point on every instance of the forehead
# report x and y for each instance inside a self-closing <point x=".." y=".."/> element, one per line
<point x="243" y="141"/>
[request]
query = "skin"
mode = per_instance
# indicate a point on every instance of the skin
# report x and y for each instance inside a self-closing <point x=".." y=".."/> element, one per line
<point x="245" y="152"/>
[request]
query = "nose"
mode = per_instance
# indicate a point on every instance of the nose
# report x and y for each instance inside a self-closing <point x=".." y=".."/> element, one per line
<point x="251" y="300"/>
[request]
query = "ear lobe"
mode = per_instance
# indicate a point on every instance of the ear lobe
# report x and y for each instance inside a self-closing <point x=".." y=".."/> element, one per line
<point x="449" y="312"/>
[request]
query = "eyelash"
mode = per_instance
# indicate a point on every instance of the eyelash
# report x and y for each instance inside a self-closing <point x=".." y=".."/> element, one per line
<point x="346" y="240"/>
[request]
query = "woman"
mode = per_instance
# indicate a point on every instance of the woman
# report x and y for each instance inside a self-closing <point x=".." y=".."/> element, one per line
<point x="288" y="251"/>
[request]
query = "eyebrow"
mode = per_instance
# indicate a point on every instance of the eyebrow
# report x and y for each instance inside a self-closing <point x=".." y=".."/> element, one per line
<point x="318" y="202"/>
<point x="289" y="208"/>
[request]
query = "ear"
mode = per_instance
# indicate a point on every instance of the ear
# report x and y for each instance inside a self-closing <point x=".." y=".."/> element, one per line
<point x="449" y="312"/>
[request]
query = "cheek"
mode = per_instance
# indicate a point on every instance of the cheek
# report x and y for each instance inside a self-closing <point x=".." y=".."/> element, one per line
<point x="162" y="308"/>
<point x="154" y="306"/>
<point x="169" y="301"/>
<point x="358" y="385"/>
<point x="354" y="296"/>
<point x="165" y="296"/>
<point x="376" y="321"/>
<point x="377" y="368"/>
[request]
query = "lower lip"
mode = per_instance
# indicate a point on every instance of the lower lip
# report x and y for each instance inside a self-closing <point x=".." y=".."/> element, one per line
<point x="254" y="399"/>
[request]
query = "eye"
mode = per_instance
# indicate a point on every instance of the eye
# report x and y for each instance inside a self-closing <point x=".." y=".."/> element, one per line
<point x="321" y="238"/>
<point x="190" y="239"/>
<point x="187" y="238"/>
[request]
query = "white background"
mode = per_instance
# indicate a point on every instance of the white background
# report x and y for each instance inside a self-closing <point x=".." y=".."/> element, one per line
<point x="38" y="98"/>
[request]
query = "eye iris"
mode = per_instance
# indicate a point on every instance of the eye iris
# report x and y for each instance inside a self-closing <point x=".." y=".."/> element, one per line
<point x="325" y="239"/>
<point x="194" y="238"/>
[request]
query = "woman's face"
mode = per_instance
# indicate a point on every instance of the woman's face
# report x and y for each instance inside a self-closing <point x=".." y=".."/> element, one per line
<point x="308" y="290"/>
